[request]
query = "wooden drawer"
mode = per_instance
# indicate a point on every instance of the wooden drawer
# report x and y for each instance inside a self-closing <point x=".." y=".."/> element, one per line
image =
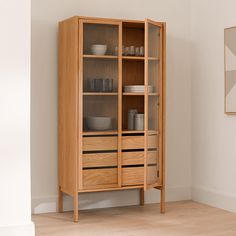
<point x="132" y="176"/>
<point x="152" y="157"/>
<point x="95" y="177"/>
<point x="152" y="141"/>
<point x="132" y="158"/>
<point x="99" y="143"/>
<point x="152" y="175"/>
<point x="137" y="142"/>
<point x="99" y="159"/>
<point x="133" y="142"/>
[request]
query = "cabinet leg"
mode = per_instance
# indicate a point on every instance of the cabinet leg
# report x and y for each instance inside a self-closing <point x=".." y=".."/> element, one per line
<point x="141" y="197"/>
<point x="76" y="207"/>
<point x="60" y="200"/>
<point x="162" y="203"/>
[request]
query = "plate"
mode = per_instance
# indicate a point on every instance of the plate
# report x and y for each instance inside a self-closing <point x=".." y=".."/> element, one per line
<point x="137" y="88"/>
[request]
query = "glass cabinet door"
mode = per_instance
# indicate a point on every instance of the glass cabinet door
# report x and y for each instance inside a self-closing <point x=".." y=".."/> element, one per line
<point x="99" y="79"/>
<point x="100" y="76"/>
<point x="153" y="107"/>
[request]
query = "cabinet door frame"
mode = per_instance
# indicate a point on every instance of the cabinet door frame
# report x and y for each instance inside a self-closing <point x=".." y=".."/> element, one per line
<point x="161" y="107"/>
<point x="80" y="103"/>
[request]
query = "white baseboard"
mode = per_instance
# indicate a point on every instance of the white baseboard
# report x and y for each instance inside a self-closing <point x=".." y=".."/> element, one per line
<point x="108" y="199"/>
<point x="214" y="198"/>
<point x="18" y="230"/>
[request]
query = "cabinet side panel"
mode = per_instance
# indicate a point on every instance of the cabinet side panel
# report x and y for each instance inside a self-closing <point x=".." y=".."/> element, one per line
<point x="164" y="103"/>
<point x="67" y="108"/>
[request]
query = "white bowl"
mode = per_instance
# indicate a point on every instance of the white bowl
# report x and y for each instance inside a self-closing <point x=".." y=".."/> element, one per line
<point x="98" y="123"/>
<point x="98" y="49"/>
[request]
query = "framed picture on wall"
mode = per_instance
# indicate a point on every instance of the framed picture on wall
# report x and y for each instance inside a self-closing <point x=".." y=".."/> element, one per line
<point x="230" y="70"/>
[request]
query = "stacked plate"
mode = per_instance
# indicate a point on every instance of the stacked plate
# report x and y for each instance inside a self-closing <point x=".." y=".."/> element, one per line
<point x="137" y="89"/>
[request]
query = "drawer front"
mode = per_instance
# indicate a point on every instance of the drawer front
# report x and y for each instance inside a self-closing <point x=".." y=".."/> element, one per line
<point x="152" y="157"/>
<point x="99" y="143"/>
<point x="152" y="174"/>
<point x="132" y="158"/>
<point x="99" y="160"/>
<point x="132" y="176"/>
<point x="133" y="142"/>
<point x="96" y="177"/>
<point x="152" y="141"/>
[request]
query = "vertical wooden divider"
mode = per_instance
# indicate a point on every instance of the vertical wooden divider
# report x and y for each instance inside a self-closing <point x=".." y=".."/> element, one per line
<point x="163" y="115"/>
<point x="146" y="104"/>
<point x="120" y="105"/>
<point x="80" y="107"/>
<point x="160" y="105"/>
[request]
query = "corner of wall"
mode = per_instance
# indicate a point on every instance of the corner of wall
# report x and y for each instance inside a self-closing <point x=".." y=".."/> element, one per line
<point x="214" y="198"/>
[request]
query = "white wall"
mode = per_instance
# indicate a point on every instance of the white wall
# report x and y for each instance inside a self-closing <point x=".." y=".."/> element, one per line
<point x="213" y="132"/>
<point x="45" y="17"/>
<point x="15" y="209"/>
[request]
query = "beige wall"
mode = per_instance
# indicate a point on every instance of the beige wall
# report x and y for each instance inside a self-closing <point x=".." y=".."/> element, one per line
<point x="213" y="132"/>
<point x="45" y="16"/>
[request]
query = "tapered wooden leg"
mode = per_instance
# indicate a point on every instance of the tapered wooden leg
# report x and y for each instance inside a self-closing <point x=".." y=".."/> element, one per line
<point x="162" y="203"/>
<point x="76" y="207"/>
<point x="60" y="200"/>
<point x="141" y="197"/>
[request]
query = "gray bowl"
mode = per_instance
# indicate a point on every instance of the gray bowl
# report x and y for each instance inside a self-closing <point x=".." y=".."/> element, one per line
<point x="99" y="123"/>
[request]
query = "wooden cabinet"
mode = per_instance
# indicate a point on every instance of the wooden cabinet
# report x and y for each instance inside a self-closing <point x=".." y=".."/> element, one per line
<point x="98" y="148"/>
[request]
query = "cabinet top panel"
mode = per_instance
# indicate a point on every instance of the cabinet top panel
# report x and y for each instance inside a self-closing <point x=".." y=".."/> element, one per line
<point x="126" y="22"/>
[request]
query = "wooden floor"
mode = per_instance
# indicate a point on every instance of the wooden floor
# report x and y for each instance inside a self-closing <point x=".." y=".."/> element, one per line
<point x="181" y="219"/>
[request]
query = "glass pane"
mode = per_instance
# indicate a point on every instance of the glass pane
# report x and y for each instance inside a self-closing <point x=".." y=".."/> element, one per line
<point x="131" y="106"/>
<point x="133" y="39"/>
<point x="152" y="161"/>
<point x="153" y="76"/>
<point x="132" y="73"/>
<point x="100" y="78"/>
<point x="101" y="101"/>
<point x="152" y="168"/>
<point x="153" y="108"/>
<point x="153" y="40"/>
<point x="100" y="113"/>
<point x="152" y="114"/>
<point x="100" y="75"/>
<point x="100" y="34"/>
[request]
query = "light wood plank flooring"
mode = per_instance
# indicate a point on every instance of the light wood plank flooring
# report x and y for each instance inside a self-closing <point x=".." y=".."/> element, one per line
<point x="181" y="219"/>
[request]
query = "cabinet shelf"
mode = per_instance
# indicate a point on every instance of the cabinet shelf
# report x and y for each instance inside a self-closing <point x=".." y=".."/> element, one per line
<point x="113" y="132"/>
<point x="150" y="132"/>
<point x="100" y="94"/>
<point x="139" y="94"/>
<point x="133" y="132"/>
<point x="132" y="58"/>
<point x="100" y="56"/>
<point x="139" y="58"/>
<point x="91" y="133"/>
<point x="133" y="94"/>
<point x="153" y="58"/>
